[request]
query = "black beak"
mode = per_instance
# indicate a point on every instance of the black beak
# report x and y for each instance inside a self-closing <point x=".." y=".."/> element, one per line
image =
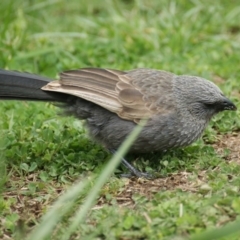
<point x="228" y="105"/>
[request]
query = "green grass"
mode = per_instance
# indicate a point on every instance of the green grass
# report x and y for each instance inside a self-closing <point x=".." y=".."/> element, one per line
<point x="42" y="154"/>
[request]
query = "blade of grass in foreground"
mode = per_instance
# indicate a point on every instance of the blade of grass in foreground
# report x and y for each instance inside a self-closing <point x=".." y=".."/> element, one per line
<point x="67" y="200"/>
<point x="101" y="180"/>
<point x="225" y="231"/>
<point x="60" y="207"/>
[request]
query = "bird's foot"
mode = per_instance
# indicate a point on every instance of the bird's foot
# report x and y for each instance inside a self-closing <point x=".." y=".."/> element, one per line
<point x="138" y="175"/>
<point x="133" y="171"/>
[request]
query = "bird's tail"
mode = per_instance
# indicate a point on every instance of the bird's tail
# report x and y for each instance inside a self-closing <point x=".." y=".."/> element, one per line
<point x="26" y="86"/>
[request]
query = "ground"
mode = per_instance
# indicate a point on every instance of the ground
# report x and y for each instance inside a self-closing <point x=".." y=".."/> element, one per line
<point x="30" y="207"/>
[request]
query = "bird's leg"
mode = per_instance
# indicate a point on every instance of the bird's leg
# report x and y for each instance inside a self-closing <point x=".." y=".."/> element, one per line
<point x="133" y="171"/>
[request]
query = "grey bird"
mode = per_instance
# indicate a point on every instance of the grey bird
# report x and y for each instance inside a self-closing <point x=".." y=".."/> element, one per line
<point x="112" y="103"/>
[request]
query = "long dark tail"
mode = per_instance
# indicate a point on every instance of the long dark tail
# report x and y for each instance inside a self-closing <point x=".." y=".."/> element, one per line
<point x="26" y="86"/>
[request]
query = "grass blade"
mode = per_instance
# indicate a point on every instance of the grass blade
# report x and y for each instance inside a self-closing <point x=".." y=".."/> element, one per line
<point x="219" y="233"/>
<point x="100" y="181"/>
<point x="60" y="207"/>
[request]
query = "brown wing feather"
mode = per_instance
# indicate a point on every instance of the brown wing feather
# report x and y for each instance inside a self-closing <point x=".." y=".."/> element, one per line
<point x="132" y="95"/>
<point x="92" y="84"/>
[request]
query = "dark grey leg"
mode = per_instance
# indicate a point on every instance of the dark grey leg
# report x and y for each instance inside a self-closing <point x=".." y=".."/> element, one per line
<point x="133" y="171"/>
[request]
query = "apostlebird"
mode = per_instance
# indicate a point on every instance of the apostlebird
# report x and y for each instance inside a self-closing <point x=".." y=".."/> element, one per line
<point x="113" y="102"/>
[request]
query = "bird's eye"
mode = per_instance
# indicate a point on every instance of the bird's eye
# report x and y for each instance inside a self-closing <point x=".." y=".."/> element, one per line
<point x="209" y="104"/>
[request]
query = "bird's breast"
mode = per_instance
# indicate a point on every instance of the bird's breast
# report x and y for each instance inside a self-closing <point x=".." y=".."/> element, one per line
<point x="168" y="132"/>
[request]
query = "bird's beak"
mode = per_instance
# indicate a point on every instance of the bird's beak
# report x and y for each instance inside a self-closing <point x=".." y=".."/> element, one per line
<point x="228" y="105"/>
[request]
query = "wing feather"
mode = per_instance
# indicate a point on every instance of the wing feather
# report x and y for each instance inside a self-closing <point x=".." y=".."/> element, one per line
<point x="132" y="95"/>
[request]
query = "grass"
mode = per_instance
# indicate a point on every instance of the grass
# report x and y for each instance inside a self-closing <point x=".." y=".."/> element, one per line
<point x="43" y="154"/>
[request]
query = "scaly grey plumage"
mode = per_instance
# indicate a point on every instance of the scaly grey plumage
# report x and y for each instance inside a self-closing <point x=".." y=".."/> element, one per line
<point x="112" y="102"/>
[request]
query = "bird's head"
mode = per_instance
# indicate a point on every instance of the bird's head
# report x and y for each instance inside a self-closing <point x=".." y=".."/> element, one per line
<point x="200" y="97"/>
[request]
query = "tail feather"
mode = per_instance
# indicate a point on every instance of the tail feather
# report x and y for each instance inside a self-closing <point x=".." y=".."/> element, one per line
<point x="26" y="86"/>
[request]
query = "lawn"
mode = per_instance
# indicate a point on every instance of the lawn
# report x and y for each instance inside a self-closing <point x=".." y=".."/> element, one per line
<point x="43" y="153"/>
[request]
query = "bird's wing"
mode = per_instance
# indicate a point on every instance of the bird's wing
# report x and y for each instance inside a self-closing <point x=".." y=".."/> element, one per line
<point x="93" y="84"/>
<point x="132" y="95"/>
<point x="152" y="90"/>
